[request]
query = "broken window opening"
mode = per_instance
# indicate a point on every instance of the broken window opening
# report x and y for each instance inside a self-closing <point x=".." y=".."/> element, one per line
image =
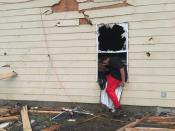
<point x="112" y="42"/>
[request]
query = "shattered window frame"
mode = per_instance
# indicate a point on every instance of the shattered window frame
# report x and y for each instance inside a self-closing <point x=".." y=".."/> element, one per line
<point x="126" y="35"/>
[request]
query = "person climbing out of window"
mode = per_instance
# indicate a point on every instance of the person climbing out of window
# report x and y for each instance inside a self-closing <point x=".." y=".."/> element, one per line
<point x="115" y="78"/>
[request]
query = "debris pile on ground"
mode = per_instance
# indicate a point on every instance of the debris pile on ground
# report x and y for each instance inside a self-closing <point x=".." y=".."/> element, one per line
<point x="25" y="118"/>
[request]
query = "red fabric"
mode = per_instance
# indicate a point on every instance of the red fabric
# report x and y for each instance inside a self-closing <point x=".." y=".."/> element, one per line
<point x="112" y="84"/>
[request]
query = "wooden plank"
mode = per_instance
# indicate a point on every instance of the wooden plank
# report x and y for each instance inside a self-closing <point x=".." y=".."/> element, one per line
<point x="145" y="94"/>
<point x="45" y="85"/>
<point x="78" y="29"/>
<point x="161" y="119"/>
<point x="79" y="1"/>
<point x="63" y="16"/>
<point x="62" y="23"/>
<point x="152" y="71"/>
<point x="50" y="37"/>
<point x="148" y="102"/>
<point x="8" y="13"/>
<point x="53" y="44"/>
<point x="7" y="75"/>
<point x="25" y="119"/>
<point x="99" y="1"/>
<point x="150" y="2"/>
<point x="46" y="51"/>
<point x="52" y="128"/>
<point x="44" y="112"/>
<point x="22" y="32"/>
<point x="134" y="18"/>
<point x="152" y="32"/>
<point x="61" y="57"/>
<point x="154" y="55"/>
<point x="32" y="4"/>
<point x="152" y="24"/>
<point x="152" y="63"/>
<point x="148" y="129"/>
<point x="87" y="5"/>
<point x="53" y="71"/>
<point x="72" y="36"/>
<point x="129" y="10"/>
<point x="150" y="87"/>
<point x="52" y="91"/>
<point x="68" y="17"/>
<point x="152" y="48"/>
<point x="21" y="25"/>
<point x="151" y="79"/>
<point x="65" y="64"/>
<point x="133" y="124"/>
<point x="9" y="118"/>
<point x="20" y="19"/>
<point x="57" y="98"/>
<point x="152" y="40"/>
<point x="54" y="78"/>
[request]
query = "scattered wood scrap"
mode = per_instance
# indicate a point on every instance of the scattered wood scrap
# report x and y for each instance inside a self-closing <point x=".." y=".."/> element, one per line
<point x="170" y="120"/>
<point x="52" y="128"/>
<point x="9" y="118"/>
<point x="8" y="75"/>
<point x="133" y="124"/>
<point x="148" y="129"/>
<point x="3" y="130"/>
<point x="25" y="119"/>
<point x="45" y="112"/>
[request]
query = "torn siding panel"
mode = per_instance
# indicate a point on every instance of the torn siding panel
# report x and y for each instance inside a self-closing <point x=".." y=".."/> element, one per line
<point x="91" y="5"/>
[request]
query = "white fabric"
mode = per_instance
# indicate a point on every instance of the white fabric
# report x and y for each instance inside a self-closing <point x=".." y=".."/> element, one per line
<point x="105" y="100"/>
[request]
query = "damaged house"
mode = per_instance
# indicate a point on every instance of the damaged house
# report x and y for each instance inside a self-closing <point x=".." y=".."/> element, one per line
<point x="54" y="46"/>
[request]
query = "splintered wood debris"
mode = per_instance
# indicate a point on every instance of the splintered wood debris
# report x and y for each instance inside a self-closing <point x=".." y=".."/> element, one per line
<point x="23" y="118"/>
<point x="151" y="123"/>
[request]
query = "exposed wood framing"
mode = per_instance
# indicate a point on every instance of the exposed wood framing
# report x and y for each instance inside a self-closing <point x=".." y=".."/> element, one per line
<point x="65" y="5"/>
<point x="132" y="124"/>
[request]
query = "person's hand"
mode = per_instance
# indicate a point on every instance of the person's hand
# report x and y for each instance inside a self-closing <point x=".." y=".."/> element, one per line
<point x="122" y="84"/>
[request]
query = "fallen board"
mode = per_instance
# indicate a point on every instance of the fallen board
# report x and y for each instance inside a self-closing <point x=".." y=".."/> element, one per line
<point x="148" y="129"/>
<point x="25" y="119"/>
